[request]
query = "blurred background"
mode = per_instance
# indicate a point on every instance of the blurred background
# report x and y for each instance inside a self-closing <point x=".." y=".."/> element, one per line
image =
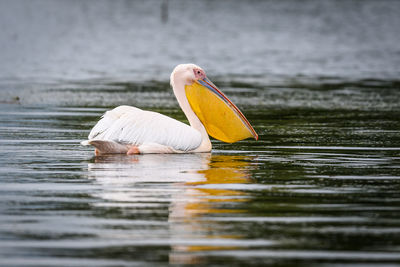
<point x="258" y="42"/>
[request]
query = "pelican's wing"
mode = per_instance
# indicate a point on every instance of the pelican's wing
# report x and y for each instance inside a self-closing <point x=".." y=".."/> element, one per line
<point x="131" y="125"/>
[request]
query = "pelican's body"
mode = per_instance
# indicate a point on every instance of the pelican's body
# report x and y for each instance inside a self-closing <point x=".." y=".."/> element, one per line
<point x="131" y="130"/>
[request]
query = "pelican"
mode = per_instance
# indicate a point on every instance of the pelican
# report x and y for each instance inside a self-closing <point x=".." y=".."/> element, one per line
<point x="130" y="130"/>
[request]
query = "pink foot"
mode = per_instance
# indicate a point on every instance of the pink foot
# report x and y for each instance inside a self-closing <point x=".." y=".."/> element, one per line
<point x="133" y="150"/>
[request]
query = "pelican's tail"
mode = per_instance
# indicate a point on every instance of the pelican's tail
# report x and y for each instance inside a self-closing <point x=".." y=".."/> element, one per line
<point x="85" y="143"/>
<point x="107" y="147"/>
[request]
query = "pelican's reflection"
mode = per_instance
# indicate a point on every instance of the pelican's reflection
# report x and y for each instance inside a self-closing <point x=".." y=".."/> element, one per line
<point x="196" y="188"/>
<point x="221" y="173"/>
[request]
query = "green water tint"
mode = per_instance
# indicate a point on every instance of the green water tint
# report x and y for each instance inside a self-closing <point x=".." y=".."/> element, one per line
<point x="320" y="186"/>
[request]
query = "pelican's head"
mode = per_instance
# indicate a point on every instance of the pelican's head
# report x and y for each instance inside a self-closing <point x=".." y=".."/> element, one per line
<point x="187" y="73"/>
<point x="221" y="118"/>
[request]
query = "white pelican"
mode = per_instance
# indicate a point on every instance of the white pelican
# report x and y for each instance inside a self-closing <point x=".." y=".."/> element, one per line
<point x="130" y="130"/>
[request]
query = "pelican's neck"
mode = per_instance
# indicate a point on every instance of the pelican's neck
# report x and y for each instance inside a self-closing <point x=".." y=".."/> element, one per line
<point x="194" y="121"/>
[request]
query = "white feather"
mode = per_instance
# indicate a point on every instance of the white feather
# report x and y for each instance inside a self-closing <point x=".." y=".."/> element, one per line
<point x="130" y="125"/>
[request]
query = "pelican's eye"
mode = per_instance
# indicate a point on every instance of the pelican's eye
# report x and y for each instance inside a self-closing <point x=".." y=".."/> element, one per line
<point x="199" y="74"/>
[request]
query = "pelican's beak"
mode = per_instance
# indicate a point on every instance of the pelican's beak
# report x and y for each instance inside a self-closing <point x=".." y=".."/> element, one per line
<point x="221" y="118"/>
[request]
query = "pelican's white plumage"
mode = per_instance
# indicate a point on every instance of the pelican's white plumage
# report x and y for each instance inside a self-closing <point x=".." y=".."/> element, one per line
<point x="131" y="130"/>
<point x="133" y="126"/>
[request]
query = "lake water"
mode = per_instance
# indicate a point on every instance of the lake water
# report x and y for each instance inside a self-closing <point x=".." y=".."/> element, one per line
<point x="318" y="80"/>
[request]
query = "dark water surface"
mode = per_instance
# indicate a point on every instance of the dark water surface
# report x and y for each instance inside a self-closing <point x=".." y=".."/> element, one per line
<point x="319" y="81"/>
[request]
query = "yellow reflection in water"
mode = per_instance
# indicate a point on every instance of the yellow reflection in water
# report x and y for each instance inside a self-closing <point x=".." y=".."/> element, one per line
<point x="222" y="169"/>
<point x="204" y="198"/>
